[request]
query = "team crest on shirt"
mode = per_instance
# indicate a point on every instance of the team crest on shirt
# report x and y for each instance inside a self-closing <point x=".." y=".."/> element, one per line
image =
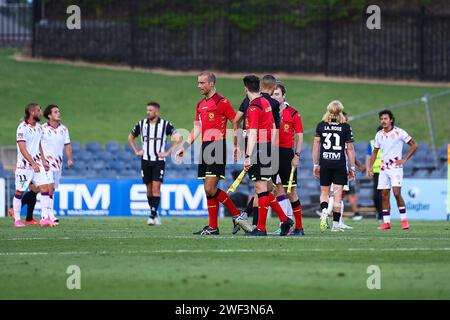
<point x="211" y="116"/>
<point x="286" y="127"/>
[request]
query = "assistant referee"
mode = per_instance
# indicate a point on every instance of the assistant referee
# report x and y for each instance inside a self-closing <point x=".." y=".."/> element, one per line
<point x="153" y="131"/>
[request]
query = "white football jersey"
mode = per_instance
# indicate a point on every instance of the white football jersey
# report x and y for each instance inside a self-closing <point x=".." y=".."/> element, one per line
<point x="53" y="142"/>
<point x="391" y="146"/>
<point x="31" y="135"/>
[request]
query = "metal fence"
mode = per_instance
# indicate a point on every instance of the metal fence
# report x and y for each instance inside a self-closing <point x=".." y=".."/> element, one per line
<point x="16" y="24"/>
<point x="232" y="35"/>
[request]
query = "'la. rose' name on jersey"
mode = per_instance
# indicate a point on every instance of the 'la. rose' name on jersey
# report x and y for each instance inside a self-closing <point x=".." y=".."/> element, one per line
<point x="391" y="145"/>
<point x="333" y="137"/>
<point x="31" y="135"/>
<point x="213" y="114"/>
<point x="53" y="142"/>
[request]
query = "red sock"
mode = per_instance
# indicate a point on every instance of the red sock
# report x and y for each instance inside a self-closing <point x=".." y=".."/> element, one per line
<point x="226" y="201"/>
<point x="213" y="210"/>
<point x="263" y="207"/>
<point x="297" y="211"/>
<point x="277" y="208"/>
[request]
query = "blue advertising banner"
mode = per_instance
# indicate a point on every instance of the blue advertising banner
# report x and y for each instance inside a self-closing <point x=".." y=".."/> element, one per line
<point x="111" y="197"/>
<point x="426" y="199"/>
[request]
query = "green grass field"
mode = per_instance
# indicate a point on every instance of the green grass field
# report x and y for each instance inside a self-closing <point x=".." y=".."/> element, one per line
<point x="103" y="105"/>
<point x="126" y="259"/>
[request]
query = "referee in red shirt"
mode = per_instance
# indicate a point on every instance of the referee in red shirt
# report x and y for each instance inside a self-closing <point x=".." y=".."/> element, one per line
<point x="211" y="117"/>
<point x="259" y="126"/>
<point x="291" y="129"/>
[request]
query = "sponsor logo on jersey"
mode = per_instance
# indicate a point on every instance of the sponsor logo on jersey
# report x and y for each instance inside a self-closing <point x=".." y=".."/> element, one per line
<point x="331" y="156"/>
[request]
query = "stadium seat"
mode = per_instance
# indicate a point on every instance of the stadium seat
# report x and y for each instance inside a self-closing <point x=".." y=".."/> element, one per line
<point x="83" y="155"/>
<point x="76" y="146"/>
<point x="78" y="165"/>
<point x="112" y="147"/>
<point x="116" y="165"/>
<point x="97" y="165"/>
<point x="93" y="147"/>
<point x="103" y="156"/>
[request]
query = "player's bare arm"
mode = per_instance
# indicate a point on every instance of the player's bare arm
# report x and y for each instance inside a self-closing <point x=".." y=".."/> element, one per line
<point x="360" y="165"/>
<point x="252" y="137"/>
<point x="23" y="150"/>
<point x="316" y="146"/>
<point x="68" y="149"/>
<point x="44" y="162"/>
<point x="193" y="135"/>
<point x="412" y="148"/>
<point x="371" y="162"/>
<point x="237" y="133"/>
<point x="351" y="159"/>
<point x="132" y="143"/>
<point x="298" y="149"/>
<point x="177" y="139"/>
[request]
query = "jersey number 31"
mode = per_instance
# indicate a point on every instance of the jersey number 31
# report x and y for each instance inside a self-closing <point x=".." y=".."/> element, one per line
<point x="328" y="143"/>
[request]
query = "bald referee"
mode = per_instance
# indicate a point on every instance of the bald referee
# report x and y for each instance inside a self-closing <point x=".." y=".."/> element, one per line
<point x="153" y="132"/>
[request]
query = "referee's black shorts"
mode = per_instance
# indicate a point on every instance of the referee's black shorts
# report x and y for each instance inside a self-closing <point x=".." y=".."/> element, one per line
<point x="261" y="169"/>
<point x="284" y="169"/>
<point x="336" y="176"/>
<point x="212" y="159"/>
<point x="152" y="170"/>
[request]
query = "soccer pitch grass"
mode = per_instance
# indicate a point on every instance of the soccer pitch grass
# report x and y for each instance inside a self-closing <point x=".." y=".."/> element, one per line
<point x="123" y="258"/>
<point x="102" y="105"/>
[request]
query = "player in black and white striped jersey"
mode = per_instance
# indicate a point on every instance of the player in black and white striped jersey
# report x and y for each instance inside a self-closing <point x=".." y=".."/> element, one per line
<point x="153" y="131"/>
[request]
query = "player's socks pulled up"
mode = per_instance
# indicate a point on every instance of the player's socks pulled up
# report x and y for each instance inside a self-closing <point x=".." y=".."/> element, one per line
<point x="263" y="207"/>
<point x="17" y="206"/>
<point x="255" y="216"/>
<point x="223" y="198"/>
<point x="386" y="216"/>
<point x="277" y="208"/>
<point x="285" y="205"/>
<point x="297" y="210"/>
<point x="402" y="211"/>
<point x="213" y="211"/>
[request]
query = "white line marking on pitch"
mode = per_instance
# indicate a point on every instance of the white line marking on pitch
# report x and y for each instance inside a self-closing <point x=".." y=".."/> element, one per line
<point x="217" y="251"/>
<point x="219" y="238"/>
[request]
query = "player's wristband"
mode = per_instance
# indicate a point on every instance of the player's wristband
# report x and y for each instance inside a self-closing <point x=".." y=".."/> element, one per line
<point x="352" y="168"/>
<point x="316" y="165"/>
<point x="297" y="154"/>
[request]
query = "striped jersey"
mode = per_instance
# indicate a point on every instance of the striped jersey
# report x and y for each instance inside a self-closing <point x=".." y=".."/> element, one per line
<point x="31" y="135"/>
<point x="153" y="137"/>
<point x="53" y="142"/>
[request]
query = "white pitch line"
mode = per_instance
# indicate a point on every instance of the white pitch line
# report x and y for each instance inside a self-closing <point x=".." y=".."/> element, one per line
<point x="191" y="251"/>
<point x="305" y="238"/>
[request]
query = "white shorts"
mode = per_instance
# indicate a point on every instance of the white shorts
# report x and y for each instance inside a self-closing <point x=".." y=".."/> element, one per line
<point x="54" y="177"/>
<point x="390" y="178"/>
<point x="24" y="177"/>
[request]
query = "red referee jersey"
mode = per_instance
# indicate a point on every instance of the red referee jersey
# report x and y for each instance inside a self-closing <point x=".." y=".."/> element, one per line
<point x="213" y="114"/>
<point x="291" y="123"/>
<point x="259" y="116"/>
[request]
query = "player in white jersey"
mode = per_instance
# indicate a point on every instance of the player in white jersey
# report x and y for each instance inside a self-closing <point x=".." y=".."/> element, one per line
<point x="55" y="139"/>
<point x="390" y="141"/>
<point x="30" y="167"/>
